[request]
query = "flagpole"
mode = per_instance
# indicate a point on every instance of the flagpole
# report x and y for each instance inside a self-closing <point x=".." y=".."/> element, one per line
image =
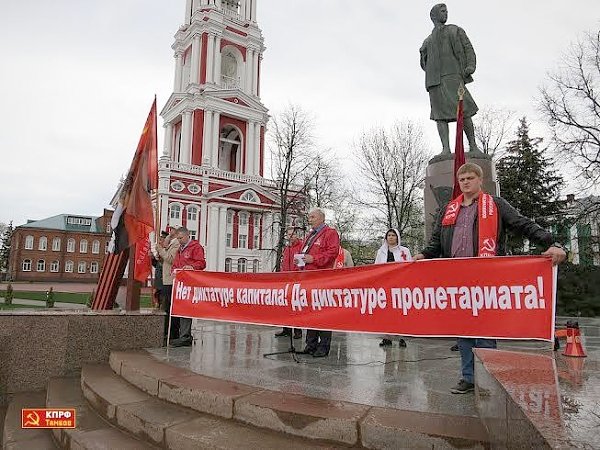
<point x="134" y="287"/>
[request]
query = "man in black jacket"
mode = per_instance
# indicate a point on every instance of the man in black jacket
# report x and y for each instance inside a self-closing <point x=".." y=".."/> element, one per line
<point x="475" y="224"/>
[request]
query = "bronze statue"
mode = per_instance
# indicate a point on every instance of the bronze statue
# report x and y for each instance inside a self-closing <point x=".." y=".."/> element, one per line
<point x="449" y="61"/>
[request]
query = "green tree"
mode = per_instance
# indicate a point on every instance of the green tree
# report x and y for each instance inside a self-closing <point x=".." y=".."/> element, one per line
<point x="529" y="182"/>
<point x="5" y="248"/>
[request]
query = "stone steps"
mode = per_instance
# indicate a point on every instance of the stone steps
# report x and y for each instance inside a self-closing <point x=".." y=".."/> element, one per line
<point x="342" y="423"/>
<point x="167" y="425"/>
<point x="92" y="431"/>
<point x="13" y="436"/>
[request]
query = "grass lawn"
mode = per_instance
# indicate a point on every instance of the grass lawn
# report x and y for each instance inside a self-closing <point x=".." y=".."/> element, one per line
<point x="4" y="307"/>
<point x="67" y="297"/>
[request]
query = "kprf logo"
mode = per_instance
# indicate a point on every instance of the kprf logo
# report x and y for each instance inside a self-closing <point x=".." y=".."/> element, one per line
<point x="48" y="418"/>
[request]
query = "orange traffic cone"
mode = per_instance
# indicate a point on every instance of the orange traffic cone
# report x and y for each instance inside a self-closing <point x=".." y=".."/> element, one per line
<point x="574" y="347"/>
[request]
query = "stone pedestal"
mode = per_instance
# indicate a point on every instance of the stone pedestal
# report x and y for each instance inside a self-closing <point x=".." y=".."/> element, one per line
<point x="439" y="182"/>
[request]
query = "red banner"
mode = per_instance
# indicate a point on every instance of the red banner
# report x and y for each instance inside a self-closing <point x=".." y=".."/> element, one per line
<point x="504" y="297"/>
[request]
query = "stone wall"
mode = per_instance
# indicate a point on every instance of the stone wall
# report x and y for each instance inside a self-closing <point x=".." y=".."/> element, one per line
<point x="38" y="345"/>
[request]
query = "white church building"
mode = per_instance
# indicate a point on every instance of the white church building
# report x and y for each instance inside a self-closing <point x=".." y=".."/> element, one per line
<point x="211" y="170"/>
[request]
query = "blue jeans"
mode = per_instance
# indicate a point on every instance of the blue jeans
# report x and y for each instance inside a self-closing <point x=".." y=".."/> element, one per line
<point x="465" y="346"/>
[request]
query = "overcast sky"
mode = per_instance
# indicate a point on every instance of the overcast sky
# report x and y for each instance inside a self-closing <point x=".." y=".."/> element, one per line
<point x="78" y="78"/>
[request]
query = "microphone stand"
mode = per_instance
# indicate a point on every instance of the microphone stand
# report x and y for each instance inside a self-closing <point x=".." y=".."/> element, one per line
<point x="292" y="349"/>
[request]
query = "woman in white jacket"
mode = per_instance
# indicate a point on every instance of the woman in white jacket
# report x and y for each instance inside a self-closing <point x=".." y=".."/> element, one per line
<point x="392" y="251"/>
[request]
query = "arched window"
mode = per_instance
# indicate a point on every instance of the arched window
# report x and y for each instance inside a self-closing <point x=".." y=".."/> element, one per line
<point x="81" y="267"/>
<point x="175" y="211"/>
<point x="94" y="267"/>
<point x="227" y="264"/>
<point x="26" y="265"/>
<point x="255" y="266"/>
<point x="229" y="217"/>
<point x="69" y="267"/>
<point x="230" y="149"/>
<point x="29" y="243"/>
<point x="41" y="265"/>
<point x="71" y="245"/>
<point x="55" y="266"/>
<point x="229" y="69"/>
<point x="43" y="243"/>
<point x="243" y="219"/>
<point x="83" y="246"/>
<point x="96" y="247"/>
<point x="241" y="265"/>
<point x="192" y="213"/>
<point x="56" y="244"/>
<point x="250" y="196"/>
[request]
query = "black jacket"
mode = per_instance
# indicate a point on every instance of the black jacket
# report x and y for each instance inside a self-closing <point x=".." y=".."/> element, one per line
<point x="440" y="244"/>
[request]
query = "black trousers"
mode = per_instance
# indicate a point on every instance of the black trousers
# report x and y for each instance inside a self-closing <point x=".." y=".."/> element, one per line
<point x="318" y="339"/>
<point x="167" y="290"/>
<point x="291" y="330"/>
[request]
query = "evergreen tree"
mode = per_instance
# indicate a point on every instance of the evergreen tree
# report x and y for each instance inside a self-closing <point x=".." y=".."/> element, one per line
<point x="529" y="183"/>
<point x="5" y="247"/>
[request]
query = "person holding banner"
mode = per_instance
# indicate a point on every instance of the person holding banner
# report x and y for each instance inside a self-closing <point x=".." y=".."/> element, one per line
<point x="320" y="249"/>
<point x="167" y="250"/>
<point x="392" y="251"/>
<point x="189" y="256"/>
<point x="287" y="265"/>
<point x="475" y="224"/>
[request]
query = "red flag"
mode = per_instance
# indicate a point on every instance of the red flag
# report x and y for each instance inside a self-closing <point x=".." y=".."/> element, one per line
<point x="459" y="148"/>
<point x="134" y="217"/>
<point x="143" y="260"/>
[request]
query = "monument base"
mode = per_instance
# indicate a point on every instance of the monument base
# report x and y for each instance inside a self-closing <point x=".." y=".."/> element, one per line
<point x="439" y="182"/>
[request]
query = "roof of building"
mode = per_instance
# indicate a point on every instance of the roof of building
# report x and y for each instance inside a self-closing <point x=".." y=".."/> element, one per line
<point x="66" y="222"/>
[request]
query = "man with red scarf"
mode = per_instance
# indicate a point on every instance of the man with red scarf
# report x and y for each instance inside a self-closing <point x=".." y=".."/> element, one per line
<point x="288" y="265"/>
<point x="320" y="248"/>
<point x="475" y="224"/>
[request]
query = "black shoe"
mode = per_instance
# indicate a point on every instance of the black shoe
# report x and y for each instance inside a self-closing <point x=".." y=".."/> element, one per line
<point x="385" y="343"/>
<point x="463" y="387"/>
<point x="297" y="334"/>
<point x="181" y="342"/>
<point x="283" y="333"/>
<point x="320" y="353"/>
<point x="402" y="343"/>
<point x="308" y="351"/>
<point x="454" y="348"/>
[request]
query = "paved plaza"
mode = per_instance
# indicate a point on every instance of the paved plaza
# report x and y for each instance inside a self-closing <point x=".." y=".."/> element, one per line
<point x="415" y="378"/>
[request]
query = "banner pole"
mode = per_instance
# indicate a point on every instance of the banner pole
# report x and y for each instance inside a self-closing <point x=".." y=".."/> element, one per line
<point x="170" y="321"/>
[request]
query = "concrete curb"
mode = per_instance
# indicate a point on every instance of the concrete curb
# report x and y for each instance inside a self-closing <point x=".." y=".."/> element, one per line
<point x="340" y="422"/>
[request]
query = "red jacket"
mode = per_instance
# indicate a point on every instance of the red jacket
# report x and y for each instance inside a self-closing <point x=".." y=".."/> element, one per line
<point x="324" y="250"/>
<point x="191" y="255"/>
<point x="287" y="259"/>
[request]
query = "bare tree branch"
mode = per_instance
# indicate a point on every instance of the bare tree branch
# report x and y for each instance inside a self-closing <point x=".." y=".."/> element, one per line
<point x="492" y="127"/>
<point x="570" y="101"/>
<point x="292" y="155"/>
<point x="391" y="164"/>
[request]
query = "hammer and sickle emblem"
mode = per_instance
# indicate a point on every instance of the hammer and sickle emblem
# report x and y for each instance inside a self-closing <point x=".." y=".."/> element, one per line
<point x="452" y="208"/>
<point x="489" y="245"/>
<point x="33" y="419"/>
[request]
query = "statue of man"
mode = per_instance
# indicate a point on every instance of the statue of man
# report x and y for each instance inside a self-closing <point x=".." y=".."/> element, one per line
<point x="448" y="59"/>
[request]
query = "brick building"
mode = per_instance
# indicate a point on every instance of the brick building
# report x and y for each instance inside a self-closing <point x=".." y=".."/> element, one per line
<point x="66" y="247"/>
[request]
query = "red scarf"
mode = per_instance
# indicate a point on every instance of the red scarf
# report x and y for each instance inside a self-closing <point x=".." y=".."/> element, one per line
<point x="488" y="221"/>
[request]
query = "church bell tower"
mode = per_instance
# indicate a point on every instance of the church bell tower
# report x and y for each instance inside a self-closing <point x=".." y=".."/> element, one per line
<point x="211" y="171"/>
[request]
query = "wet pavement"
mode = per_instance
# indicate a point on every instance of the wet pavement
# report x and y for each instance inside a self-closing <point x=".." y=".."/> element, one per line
<point x="415" y="378"/>
<point x="534" y="400"/>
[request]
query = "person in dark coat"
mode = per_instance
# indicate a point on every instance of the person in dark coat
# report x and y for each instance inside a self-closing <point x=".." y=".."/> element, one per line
<point x="475" y="224"/>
